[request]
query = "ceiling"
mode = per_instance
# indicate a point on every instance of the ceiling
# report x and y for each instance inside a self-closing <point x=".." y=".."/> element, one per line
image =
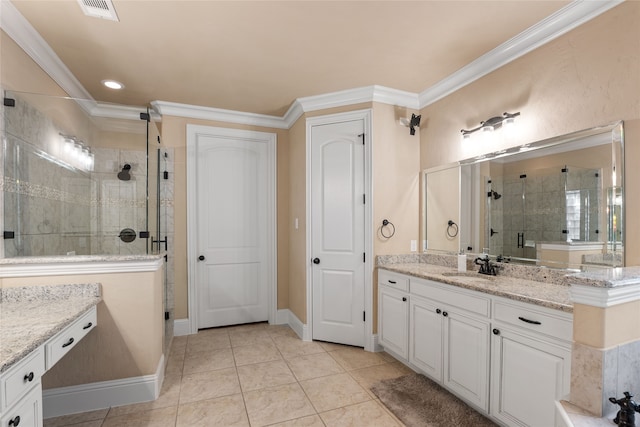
<point x="259" y="56"/>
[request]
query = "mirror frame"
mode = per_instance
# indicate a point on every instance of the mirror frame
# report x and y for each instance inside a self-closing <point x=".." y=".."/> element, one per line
<point x="563" y="143"/>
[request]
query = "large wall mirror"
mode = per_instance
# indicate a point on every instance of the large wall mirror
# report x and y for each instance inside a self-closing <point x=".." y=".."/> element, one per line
<point x="557" y="202"/>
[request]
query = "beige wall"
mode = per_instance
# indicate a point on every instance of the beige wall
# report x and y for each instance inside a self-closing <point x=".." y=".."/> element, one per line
<point x="585" y="78"/>
<point x="128" y="339"/>
<point x="174" y="135"/>
<point x="606" y="327"/>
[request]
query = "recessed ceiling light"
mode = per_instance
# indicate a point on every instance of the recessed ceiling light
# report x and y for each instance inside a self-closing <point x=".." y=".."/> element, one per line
<point x="112" y="84"/>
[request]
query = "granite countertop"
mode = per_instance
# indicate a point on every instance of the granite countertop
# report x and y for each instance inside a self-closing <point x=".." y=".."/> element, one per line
<point x="551" y="295"/>
<point x="30" y="315"/>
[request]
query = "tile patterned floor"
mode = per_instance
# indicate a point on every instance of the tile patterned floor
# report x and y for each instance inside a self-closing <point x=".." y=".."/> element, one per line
<point x="257" y="375"/>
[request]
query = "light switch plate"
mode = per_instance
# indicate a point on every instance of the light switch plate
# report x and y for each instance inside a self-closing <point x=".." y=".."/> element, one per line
<point x="414" y="245"/>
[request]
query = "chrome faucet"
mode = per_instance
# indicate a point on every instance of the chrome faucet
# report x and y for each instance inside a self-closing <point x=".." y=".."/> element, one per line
<point x="486" y="266"/>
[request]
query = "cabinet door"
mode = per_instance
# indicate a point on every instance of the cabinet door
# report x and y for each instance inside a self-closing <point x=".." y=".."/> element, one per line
<point x="425" y="337"/>
<point x="394" y="320"/>
<point x="27" y="411"/>
<point x="466" y="357"/>
<point x="529" y="375"/>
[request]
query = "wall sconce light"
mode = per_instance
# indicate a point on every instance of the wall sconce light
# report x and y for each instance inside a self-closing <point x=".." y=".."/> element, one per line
<point x="412" y="123"/>
<point x="491" y="124"/>
<point x="77" y="153"/>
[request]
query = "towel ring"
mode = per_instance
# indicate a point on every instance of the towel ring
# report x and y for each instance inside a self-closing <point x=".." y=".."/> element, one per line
<point x="452" y="226"/>
<point x="387" y="223"/>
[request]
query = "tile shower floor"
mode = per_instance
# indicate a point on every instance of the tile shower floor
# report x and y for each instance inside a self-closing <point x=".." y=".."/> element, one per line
<point x="258" y="375"/>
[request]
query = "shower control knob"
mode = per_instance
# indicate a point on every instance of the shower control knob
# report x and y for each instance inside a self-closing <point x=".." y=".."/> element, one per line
<point x="201" y="258"/>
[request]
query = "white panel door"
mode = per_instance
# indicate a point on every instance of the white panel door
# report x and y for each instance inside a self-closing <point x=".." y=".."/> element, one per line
<point x="232" y="271"/>
<point x="337" y="230"/>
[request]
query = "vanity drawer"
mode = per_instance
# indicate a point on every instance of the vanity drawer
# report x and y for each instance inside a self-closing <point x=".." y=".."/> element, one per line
<point x="66" y="339"/>
<point x="18" y="380"/>
<point x="465" y="299"/>
<point x="393" y="280"/>
<point x="530" y="318"/>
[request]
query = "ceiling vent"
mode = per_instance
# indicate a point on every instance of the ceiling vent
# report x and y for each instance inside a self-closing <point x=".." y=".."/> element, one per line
<point x="99" y="9"/>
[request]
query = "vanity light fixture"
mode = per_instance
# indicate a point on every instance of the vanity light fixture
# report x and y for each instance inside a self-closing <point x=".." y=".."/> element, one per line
<point x="412" y="123"/>
<point x="491" y="124"/>
<point x="77" y="153"/>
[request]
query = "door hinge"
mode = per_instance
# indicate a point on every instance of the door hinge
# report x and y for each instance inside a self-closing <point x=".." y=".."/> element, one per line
<point x="145" y="116"/>
<point x="364" y="316"/>
<point x="362" y="135"/>
<point x="9" y="102"/>
<point x="364" y="257"/>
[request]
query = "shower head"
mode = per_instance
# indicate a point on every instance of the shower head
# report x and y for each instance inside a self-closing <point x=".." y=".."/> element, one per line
<point x="495" y="195"/>
<point x="124" y="174"/>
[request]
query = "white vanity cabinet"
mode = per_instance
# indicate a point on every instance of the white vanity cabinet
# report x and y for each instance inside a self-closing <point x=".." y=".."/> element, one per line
<point x="20" y="385"/>
<point x="509" y="359"/>
<point x="449" y="338"/>
<point x="21" y="392"/>
<point x="444" y="331"/>
<point x="393" y="315"/>
<point x="531" y="363"/>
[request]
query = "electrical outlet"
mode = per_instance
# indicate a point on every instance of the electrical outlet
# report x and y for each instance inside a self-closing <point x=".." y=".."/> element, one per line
<point x="414" y="245"/>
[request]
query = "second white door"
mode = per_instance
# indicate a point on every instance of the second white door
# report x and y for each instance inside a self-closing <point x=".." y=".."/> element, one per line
<point x="337" y="222"/>
<point x="233" y="228"/>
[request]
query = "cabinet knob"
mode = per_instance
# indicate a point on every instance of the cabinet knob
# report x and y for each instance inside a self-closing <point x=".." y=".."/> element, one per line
<point x="15" y="422"/>
<point x="29" y="377"/>
<point x="496" y="332"/>
<point x="404" y="298"/>
<point x="445" y="314"/>
<point x="438" y="311"/>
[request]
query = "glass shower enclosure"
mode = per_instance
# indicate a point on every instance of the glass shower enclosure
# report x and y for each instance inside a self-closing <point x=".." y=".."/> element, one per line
<point x="75" y="184"/>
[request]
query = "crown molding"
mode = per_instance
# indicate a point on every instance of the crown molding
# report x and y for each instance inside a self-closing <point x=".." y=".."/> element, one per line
<point x="298" y="107"/>
<point x="566" y="19"/>
<point x="569" y="17"/>
<point x="217" y="114"/>
<point x="25" y="36"/>
<point x="20" y="30"/>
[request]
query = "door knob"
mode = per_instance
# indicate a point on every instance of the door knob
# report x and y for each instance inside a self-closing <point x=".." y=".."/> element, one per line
<point x="496" y="332"/>
<point x="201" y="258"/>
<point x="316" y="260"/>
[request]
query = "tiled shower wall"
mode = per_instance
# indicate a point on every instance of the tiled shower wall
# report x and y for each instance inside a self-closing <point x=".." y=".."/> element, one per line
<point x="55" y="209"/>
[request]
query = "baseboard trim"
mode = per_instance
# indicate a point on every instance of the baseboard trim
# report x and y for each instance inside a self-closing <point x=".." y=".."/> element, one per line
<point x="61" y="401"/>
<point x="372" y="343"/>
<point x="302" y="330"/>
<point x="282" y="316"/>
<point x="181" y="327"/>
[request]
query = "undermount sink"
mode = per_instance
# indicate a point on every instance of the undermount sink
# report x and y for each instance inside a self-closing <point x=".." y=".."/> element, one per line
<point x="470" y="275"/>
